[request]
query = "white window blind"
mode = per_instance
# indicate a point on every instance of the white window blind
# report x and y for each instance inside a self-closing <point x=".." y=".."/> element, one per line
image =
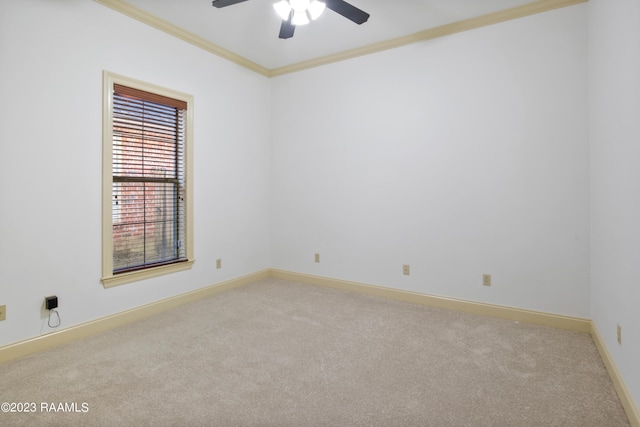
<point x="148" y="183"/>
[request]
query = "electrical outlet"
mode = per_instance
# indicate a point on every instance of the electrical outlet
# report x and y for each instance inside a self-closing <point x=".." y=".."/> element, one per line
<point x="619" y="334"/>
<point x="3" y="312"/>
<point x="218" y="263"/>
<point x="405" y="269"/>
<point x="317" y="257"/>
<point x="486" y="280"/>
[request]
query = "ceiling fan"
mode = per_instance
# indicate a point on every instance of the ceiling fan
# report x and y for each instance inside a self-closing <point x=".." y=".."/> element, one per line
<point x="297" y="12"/>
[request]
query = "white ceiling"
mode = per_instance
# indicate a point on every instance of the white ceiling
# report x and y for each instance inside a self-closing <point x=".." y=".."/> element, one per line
<point x="250" y="29"/>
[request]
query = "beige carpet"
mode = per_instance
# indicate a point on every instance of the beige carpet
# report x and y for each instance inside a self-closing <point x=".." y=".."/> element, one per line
<point x="278" y="353"/>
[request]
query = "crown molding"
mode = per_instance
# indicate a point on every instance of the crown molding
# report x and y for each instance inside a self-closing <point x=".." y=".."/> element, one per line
<point x="162" y="25"/>
<point x="535" y="7"/>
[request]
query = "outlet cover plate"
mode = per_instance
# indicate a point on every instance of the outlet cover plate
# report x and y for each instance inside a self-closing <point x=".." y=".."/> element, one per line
<point x="486" y="280"/>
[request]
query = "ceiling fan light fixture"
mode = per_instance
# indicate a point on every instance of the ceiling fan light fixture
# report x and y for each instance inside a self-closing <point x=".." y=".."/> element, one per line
<point x="283" y="9"/>
<point x="300" y="12"/>
<point x="299" y="18"/>
<point x="299" y="5"/>
<point x="315" y="9"/>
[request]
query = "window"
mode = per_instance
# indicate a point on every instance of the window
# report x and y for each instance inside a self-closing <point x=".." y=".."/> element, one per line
<point x="147" y="202"/>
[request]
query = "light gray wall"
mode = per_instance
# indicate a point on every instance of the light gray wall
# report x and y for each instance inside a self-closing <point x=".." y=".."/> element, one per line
<point x="614" y="72"/>
<point x="460" y="156"/>
<point x="52" y="54"/>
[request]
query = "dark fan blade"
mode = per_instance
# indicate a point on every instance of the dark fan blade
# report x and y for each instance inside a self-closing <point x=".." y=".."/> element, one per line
<point x="348" y="11"/>
<point x="223" y="3"/>
<point x="287" y="28"/>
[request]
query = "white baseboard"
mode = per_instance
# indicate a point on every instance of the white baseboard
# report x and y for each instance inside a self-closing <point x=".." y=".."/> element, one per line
<point x="37" y="344"/>
<point x="501" y="312"/>
<point x="43" y="342"/>
<point x="623" y="393"/>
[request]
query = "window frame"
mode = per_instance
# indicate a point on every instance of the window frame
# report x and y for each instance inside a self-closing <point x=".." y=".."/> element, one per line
<point x="109" y="279"/>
